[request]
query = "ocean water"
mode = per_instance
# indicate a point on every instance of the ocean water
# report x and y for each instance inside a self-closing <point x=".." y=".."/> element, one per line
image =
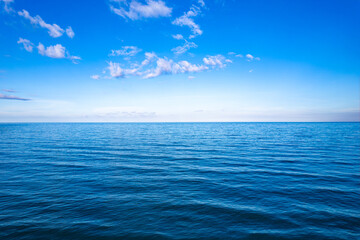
<point x="180" y="181"/>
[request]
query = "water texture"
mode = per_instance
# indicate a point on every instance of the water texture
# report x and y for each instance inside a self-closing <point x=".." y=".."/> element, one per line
<point x="180" y="181"/>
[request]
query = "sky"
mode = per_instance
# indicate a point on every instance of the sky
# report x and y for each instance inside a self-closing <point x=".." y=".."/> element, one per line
<point x="179" y="61"/>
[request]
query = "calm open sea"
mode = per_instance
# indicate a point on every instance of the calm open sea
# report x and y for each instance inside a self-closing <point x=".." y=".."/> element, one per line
<point x="180" y="181"/>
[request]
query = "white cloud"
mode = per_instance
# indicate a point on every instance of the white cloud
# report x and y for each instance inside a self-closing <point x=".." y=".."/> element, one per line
<point x="217" y="60"/>
<point x="126" y="51"/>
<point x="168" y="66"/>
<point x="251" y="70"/>
<point x="70" y="32"/>
<point x="231" y="53"/>
<point x="191" y="77"/>
<point x="178" y="36"/>
<point x="96" y="77"/>
<point x="115" y="70"/>
<point x="7" y="7"/>
<point x="54" y="29"/>
<point x="137" y="10"/>
<point x="239" y="55"/>
<point x="201" y="2"/>
<point x="26" y="43"/>
<point x="163" y="66"/>
<point x="186" y="20"/>
<point x="186" y="67"/>
<point x="249" y="56"/>
<point x="56" y="51"/>
<point x="184" y="48"/>
<point x="74" y="59"/>
<point x="149" y="57"/>
<point x="154" y="66"/>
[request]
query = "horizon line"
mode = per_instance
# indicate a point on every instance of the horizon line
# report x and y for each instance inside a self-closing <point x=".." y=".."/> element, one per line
<point x="200" y="122"/>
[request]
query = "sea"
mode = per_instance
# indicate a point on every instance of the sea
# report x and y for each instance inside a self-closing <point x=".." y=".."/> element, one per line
<point x="179" y="181"/>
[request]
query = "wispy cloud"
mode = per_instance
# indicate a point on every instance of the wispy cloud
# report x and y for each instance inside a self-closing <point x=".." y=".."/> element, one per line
<point x="7" y="6"/>
<point x="178" y="36"/>
<point x="126" y="51"/>
<point x="168" y="66"/>
<point x="154" y="66"/>
<point x="8" y="90"/>
<point x="96" y="77"/>
<point x="201" y="2"/>
<point x="182" y="49"/>
<point x="237" y="55"/>
<point x="70" y="32"/>
<point x="136" y="10"/>
<point x="54" y="30"/>
<point x="11" y="97"/>
<point x="26" y="44"/>
<point x="187" y="20"/>
<point x="149" y="57"/>
<point x="251" y="57"/>
<point x="123" y="113"/>
<point x="218" y="60"/>
<point x="115" y="70"/>
<point x="74" y="59"/>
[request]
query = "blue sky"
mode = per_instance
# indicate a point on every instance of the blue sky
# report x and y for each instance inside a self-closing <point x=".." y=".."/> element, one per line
<point x="161" y="60"/>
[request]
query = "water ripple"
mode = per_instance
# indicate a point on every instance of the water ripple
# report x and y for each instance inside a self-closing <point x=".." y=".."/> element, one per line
<point x="180" y="181"/>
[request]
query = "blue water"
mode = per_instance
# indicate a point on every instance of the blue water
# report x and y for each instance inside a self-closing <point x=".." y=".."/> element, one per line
<point x="180" y="181"/>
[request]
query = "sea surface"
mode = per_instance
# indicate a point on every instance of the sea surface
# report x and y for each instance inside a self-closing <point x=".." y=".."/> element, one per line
<point x="180" y="181"/>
